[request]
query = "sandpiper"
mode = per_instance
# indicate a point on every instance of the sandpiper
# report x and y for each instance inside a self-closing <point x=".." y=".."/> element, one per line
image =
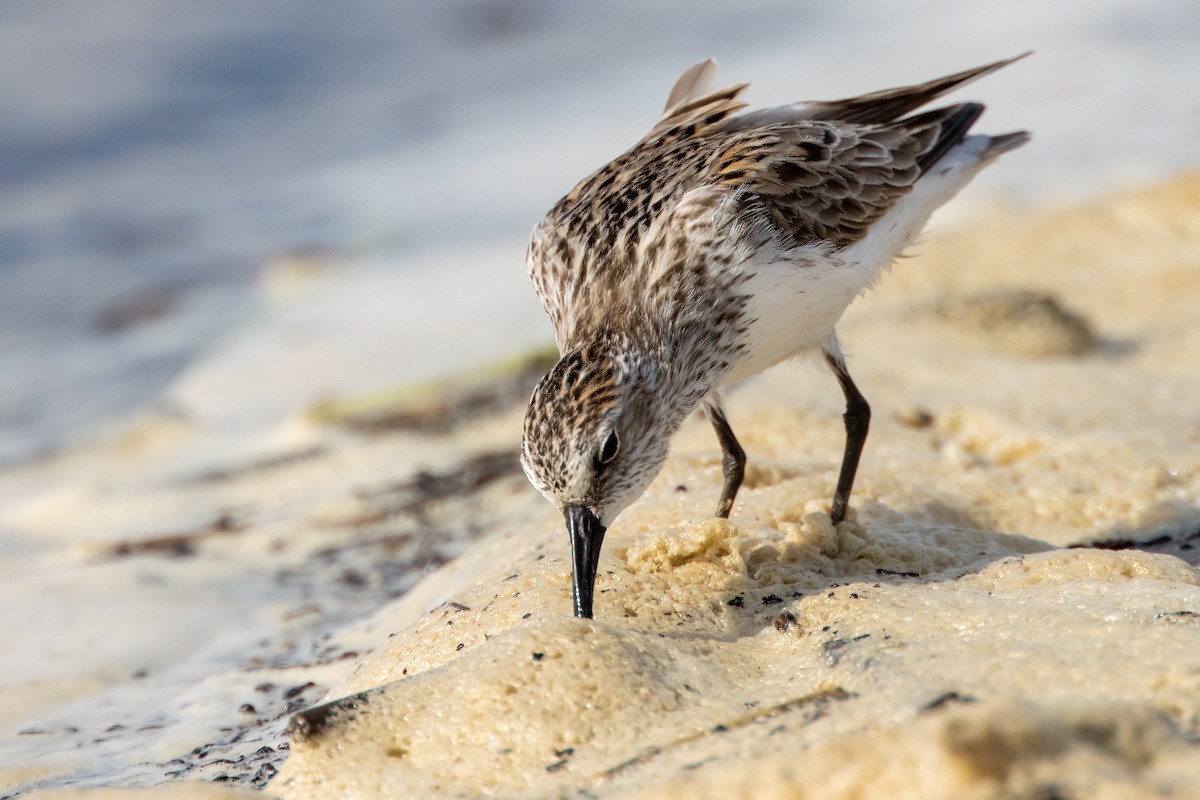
<point x="721" y="244"/>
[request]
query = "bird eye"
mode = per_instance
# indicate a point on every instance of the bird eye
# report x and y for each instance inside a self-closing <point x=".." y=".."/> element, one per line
<point x="609" y="451"/>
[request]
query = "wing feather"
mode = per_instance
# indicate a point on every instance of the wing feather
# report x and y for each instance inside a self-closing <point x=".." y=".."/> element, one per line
<point x="696" y="81"/>
<point x="811" y="172"/>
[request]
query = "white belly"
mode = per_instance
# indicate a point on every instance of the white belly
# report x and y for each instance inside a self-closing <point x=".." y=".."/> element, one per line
<point x="794" y="305"/>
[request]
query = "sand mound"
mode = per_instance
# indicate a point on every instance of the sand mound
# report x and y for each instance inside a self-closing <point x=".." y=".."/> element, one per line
<point x="942" y="642"/>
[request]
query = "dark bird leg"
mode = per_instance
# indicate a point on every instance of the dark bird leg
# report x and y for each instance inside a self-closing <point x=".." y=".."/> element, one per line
<point x="858" y="420"/>
<point x="733" y="457"/>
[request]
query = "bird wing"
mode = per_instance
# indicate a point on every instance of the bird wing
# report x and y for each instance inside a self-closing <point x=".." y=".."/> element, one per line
<point x="874" y="108"/>
<point x="827" y="170"/>
<point x="815" y="172"/>
<point x="829" y="180"/>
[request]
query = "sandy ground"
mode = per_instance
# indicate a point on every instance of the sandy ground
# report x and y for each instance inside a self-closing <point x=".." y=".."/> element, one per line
<point x="1033" y="380"/>
<point x="947" y="640"/>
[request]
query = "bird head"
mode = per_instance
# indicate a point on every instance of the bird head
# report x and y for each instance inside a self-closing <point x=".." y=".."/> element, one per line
<point x="596" y="435"/>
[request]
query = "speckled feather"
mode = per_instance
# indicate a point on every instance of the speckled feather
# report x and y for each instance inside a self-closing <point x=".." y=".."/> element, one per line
<point x="813" y="172"/>
<point x="721" y="243"/>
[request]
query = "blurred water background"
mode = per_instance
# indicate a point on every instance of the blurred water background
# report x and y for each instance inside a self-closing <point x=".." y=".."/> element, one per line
<point x="155" y="154"/>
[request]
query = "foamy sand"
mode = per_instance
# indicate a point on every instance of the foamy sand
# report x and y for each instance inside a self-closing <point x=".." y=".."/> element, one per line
<point x="946" y="641"/>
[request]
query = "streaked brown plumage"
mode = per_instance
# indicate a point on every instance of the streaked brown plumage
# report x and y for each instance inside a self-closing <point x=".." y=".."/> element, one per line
<point x="719" y="245"/>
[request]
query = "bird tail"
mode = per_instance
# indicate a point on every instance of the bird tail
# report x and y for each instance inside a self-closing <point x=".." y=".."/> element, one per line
<point x="946" y="128"/>
<point x="998" y="145"/>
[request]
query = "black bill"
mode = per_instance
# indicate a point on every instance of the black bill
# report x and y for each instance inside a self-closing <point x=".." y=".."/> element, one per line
<point x="587" y="534"/>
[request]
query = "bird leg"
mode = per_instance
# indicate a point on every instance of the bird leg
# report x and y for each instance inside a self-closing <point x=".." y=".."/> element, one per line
<point x="733" y="457"/>
<point x="858" y="420"/>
